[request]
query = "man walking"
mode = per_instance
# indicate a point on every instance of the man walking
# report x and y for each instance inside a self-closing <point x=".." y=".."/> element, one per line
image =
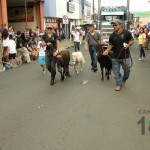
<point x="119" y="42"/>
<point x="91" y="40"/>
<point x="76" y="37"/>
<point x="52" y="43"/>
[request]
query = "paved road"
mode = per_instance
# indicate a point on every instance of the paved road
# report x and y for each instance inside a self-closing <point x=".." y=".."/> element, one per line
<point x="71" y="115"/>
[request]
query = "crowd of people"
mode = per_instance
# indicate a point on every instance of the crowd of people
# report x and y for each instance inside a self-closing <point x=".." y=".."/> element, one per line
<point x="21" y="47"/>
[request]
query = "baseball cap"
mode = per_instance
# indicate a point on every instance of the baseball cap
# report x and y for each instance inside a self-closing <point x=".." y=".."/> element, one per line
<point x="116" y="21"/>
<point x="50" y="27"/>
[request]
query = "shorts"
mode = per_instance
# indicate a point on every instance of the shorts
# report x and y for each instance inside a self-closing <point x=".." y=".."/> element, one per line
<point x="12" y="56"/>
<point x="41" y="60"/>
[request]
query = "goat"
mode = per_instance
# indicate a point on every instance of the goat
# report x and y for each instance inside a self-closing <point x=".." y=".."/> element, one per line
<point x="105" y="62"/>
<point x="78" y="60"/>
<point x="63" y="59"/>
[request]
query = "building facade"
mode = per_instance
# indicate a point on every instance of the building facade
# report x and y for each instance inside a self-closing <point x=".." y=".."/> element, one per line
<point x="32" y="13"/>
<point x="76" y="12"/>
<point x="22" y="13"/>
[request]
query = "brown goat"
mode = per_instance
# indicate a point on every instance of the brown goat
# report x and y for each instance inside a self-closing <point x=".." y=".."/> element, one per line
<point x="63" y="60"/>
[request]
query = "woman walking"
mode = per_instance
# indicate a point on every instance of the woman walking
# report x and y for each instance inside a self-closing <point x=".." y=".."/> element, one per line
<point x="142" y="43"/>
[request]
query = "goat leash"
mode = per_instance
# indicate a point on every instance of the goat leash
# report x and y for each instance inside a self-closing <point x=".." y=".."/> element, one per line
<point x="125" y="58"/>
<point x="102" y="54"/>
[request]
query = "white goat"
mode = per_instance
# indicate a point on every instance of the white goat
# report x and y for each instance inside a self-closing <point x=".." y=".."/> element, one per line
<point x="78" y="60"/>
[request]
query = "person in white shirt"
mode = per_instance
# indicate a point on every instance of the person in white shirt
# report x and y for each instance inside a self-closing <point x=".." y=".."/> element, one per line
<point x="76" y="35"/>
<point x="12" y="49"/>
<point x="41" y="58"/>
<point x="5" y="38"/>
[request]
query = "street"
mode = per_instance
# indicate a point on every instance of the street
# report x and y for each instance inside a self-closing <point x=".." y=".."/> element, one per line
<point x="80" y="113"/>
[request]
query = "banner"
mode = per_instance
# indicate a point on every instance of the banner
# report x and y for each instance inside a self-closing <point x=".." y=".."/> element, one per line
<point x="18" y="14"/>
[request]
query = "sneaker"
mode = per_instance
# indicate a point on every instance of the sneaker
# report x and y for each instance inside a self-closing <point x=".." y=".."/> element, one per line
<point x="118" y="88"/>
<point x="140" y="58"/>
<point x="123" y="83"/>
<point x="95" y="69"/>
<point x="52" y="82"/>
<point x="144" y="58"/>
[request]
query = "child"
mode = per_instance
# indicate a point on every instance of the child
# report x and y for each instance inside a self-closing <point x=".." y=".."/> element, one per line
<point x="5" y="59"/>
<point x="12" y="49"/>
<point x="41" y="58"/>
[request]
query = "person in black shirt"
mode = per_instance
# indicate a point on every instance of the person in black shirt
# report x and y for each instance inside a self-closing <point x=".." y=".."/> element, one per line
<point x="21" y="49"/>
<point x="52" y="43"/>
<point x="119" y="42"/>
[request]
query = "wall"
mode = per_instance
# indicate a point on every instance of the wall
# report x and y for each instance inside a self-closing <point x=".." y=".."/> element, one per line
<point x="62" y="7"/>
<point x="50" y="8"/>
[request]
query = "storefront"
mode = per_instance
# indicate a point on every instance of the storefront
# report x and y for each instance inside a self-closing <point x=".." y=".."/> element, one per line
<point x="22" y="13"/>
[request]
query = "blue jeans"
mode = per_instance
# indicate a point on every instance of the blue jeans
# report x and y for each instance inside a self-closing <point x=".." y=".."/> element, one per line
<point x="116" y="65"/>
<point x="8" y="66"/>
<point x="76" y="46"/>
<point x="51" y="65"/>
<point x="142" y="51"/>
<point x="92" y="51"/>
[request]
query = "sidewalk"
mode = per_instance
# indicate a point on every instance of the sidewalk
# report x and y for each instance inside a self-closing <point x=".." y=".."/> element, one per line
<point x="65" y="44"/>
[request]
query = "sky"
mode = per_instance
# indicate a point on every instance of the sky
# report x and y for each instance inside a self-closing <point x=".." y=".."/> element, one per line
<point x="139" y="5"/>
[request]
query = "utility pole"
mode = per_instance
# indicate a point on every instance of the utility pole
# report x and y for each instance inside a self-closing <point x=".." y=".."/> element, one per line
<point x="128" y="13"/>
<point x="93" y="10"/>
<point x="99" y="14"/>
<point x="26" y="12"/>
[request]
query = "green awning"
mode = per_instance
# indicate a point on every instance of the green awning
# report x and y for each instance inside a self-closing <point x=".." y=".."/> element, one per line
<point x="141" y="14"/>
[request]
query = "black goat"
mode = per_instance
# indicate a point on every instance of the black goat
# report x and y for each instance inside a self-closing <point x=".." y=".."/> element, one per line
<point x="104" y="61"/>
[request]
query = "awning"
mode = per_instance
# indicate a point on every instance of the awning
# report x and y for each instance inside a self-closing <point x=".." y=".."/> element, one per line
<point x="83" y="22"/>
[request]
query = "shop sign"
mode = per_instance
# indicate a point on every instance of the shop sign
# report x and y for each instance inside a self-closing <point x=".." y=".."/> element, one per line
<point x="70" y="7"/>
<point x="50" y="20"/>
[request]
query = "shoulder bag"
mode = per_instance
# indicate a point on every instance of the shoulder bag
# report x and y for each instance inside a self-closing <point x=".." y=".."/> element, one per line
<point x="98" y="46"/>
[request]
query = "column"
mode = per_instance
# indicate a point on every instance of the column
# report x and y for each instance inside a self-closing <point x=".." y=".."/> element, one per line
<point x="3" y="13"/>
<point x="40" y="15"/>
